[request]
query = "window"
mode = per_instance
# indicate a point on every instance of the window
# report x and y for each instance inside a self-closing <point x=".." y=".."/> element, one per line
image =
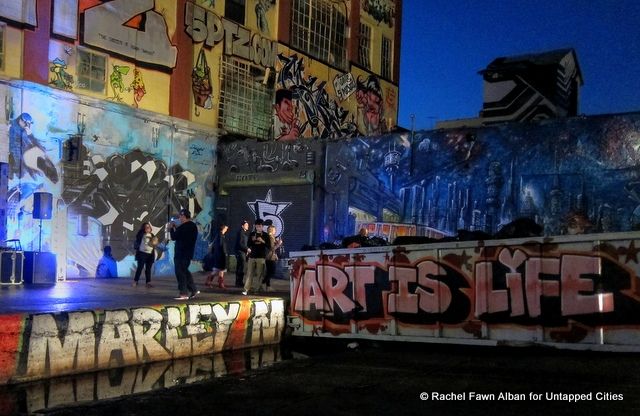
<point x="386" y="63"/>
<point x="245" y="100"/>
<point x="91" y="70"/>
<point x="319" y="29"/>
<point x="3" y="29"/>
<point x="234" y="10"/>
<point x="364" y="46"/>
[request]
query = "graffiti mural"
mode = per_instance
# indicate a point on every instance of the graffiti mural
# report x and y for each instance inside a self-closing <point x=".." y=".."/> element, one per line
<point x="107" y="172"/>
<point x="204" y="26"/>
<point x="370" y="106"/>
<point x="262" y="8"/>
<point x="303" y="105"/>
<point x="60" y="78"/>
<point x="272" y="179"/>
<point x="380" y="10"/>
<point x="560" y="291"/>
<point x="80" y="342"/>
<point x="129" y="28"/>
<point x="569" y="176"/>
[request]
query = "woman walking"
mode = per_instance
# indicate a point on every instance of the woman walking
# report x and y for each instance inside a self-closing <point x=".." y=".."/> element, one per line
<point x="219" y="258"/>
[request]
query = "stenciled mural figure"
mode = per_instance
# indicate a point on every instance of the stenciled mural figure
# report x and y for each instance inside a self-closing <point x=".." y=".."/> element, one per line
<point x="370" y="105"/>
<point x="27" y="155"/>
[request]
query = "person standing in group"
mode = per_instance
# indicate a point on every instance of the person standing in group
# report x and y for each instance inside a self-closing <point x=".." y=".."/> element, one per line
<point x="259" y="245"/>
<point x="242" y="251"/>
<point x="185" y="236"/>
<point x="272" y="256"/>
<point x="219" y="258"/>
<point x="145" y="255"/>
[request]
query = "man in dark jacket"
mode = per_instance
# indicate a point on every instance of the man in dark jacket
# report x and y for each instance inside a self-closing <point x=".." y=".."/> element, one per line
<point x="259" y="245"/>
<point x="242" y="250"/>
<point x="185" y="236"/>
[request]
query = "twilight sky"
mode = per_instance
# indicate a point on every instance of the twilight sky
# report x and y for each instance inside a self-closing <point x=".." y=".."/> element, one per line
<point x="446" y="42"/>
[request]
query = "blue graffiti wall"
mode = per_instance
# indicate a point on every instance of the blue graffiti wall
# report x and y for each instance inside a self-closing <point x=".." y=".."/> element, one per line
<point x="107" y="169"/>
<point x="571" y="176"/>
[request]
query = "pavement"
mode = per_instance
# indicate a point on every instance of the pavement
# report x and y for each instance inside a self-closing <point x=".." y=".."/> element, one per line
<point x="98" y="294"/>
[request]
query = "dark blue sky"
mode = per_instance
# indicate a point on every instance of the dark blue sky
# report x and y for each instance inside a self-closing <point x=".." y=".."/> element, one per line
<point x="446" y="42"/>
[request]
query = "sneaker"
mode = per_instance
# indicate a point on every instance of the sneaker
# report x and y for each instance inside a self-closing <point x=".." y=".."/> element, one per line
<point x="182" y="297"/>
<point x="194" y="294"/>
<point x="244" y="292"/>
<point x="149" y="285"/>
<point x="134" y="284"/>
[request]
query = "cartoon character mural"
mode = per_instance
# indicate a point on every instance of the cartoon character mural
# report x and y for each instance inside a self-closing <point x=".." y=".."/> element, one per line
<point x="116" y="80"/>
<point x="61" y="78"/>
<point x="138" y="87"/>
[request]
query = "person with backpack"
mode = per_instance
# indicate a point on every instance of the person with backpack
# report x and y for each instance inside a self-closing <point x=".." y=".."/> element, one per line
<point x="145" y="255"/>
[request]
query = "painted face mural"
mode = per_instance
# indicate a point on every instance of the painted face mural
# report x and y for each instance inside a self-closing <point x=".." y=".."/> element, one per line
<point x="370" y="104"/>
<point x="319" y="115"/>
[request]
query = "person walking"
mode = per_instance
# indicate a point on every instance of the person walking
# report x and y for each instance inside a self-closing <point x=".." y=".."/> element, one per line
<point x="219" y="258"/>
<point x="185" y="236"/>
<point x="259" y="245"/>
<point x="241" y="249"/>
<point x="145" y="255"/>
<point x="272" y="257"/>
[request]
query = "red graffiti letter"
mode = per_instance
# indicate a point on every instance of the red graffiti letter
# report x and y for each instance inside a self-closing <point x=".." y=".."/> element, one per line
<point x="438" y="298"/>
<point x="573" y="302"/>
<point x="402" y="301"/>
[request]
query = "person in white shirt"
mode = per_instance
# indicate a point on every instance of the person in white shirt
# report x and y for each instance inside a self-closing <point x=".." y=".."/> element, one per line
<point x="145" y="254"/>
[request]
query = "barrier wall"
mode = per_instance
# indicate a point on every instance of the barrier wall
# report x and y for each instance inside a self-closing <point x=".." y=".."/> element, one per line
<point x="54" y="344"/>
<point x="577" y="292"/>
<point x="38" y="396"/>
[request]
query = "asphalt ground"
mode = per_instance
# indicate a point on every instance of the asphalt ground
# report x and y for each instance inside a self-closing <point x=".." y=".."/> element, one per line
<point x="336" y="377"/>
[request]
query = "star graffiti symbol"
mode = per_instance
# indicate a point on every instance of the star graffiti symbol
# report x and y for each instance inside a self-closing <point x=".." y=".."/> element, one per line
<point x="464" y="258"/>
<point x="632" y="253"/>
<point x="267" y="206"/>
